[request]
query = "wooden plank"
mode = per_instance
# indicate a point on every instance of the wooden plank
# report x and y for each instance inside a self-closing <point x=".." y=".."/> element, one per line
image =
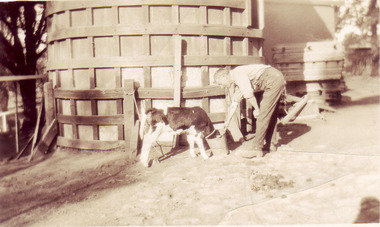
<point x="49" y="102"/>
<point x="205" y="83"/>
<point x="261" y="14"/>
<point x="16" y="118"/>
<point x="248" y="13"/>
<point x="94" y="112"/>
<point x="73" y="111"/>
<point x="175" y="14"/>
<point x="119" y="103"/>
<point x="91" y="120"/>
<point x="19" y="78"/>
<point x="227" y="16"/>
<point x="305" y="50"/>
<point x="297" y="108"/>
<point x="89" y="144"/>
<point x="208" y="91"/>
<point x="46" y="139"/>
<point x="294" y="87"/>
<point x="116" y="93"/>
<point x="156" y="29"/>
<point x="147" y="84"/>
<point x="59" y="6"/>
<point x="312" y="46"/>
<point x="203" y="14"/>
<point x="134" y="139"/>
<point x="302" y="77"/>
<point x="142" y="93"/>
<point x="187" y="93"/>
<point x="37" y="128"/>
<point x="321" y="53"/>
<point x="315" y="57"/>
<point x="129" y="113"/>
<point x="152" y="61"/>
<point x="177" y="70"/>
<point x="310" y="66"/>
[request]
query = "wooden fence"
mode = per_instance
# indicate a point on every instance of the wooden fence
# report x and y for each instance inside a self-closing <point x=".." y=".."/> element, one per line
<point x="126" y="118"/>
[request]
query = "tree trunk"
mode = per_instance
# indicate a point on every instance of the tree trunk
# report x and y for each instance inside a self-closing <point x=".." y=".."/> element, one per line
<point x="373" y="12"/>
<point x="28" y="87"/>
<point x="374" y="51"/>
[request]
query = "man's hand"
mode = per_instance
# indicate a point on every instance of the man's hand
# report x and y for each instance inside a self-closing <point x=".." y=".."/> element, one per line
<point x="256" y="113"/>
<point x="223" y="130"/>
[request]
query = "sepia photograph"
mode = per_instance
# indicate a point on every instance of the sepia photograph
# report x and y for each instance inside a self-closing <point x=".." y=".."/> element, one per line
<point x="189" y="113"/>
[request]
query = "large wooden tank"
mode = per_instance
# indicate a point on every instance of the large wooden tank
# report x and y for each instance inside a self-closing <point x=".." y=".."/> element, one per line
<point x="94" y="46"/>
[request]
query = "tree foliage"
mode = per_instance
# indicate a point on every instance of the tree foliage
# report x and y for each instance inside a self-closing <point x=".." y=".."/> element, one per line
<point x="356" y="18"/>
<point x="358" y="26"/>
<point x="22" y="32"/>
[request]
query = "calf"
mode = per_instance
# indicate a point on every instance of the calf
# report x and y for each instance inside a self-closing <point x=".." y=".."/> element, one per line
<point x="193" y="121"/>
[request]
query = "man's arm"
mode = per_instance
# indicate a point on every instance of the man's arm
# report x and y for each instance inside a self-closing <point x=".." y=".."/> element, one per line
<point x="255" y="105"/>
<point x="231" y="112"/>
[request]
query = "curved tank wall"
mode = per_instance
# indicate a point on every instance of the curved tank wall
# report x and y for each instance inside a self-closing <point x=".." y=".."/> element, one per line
<point x="93" y="46"/>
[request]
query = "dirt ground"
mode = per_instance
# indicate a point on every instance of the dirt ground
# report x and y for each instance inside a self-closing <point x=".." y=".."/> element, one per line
<point x="326" y="171"/>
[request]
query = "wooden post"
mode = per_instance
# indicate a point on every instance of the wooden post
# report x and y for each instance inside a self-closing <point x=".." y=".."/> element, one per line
<point x="177" y="70"/>
<point x="248" y="13"/>
<point x="49" y="102"/>
<point x="129" y="114"/>
<point x="16" y="116"/>
<point x="37" y="129"/>
<point x="297" y="108"/>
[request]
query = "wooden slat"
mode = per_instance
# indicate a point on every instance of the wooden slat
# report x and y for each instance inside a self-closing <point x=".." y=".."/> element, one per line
<point x="187" y="93"/>
<point x="315" y="57"/>
<point x="328" y="3"/>
<point x="47" y="138"/>
<point x="129" y="113"/>
<point x="73" y="111"/>
<point x="287" y="50"/>
<point x="205" y="83"/>
<point x="89" y="144"/>
<point x="49" y="102"/>
<point x="147" y="84"/>
<point x="119" y="103"/>
<point x="155" y="61"/>
<point x="154" y="29"/>
<point x="116" y="93"/>
<point x="94" y="112"/>
<point x="303" y="87"/>
<point x="301" y="77"/>
<point x="310" y="66"/>
<point x="307" y="46"/>
<point x="261" y="14"/>
<point x="21" y="77"/>
<point x="312" y="72"/>
<point x="209" y="91"/>
<point x="90" y="120"/>
<point x="248" y="13"/>
<point x="58" y="6"/>
<point x="177" y="70"/>
<point x="142" y="93"/>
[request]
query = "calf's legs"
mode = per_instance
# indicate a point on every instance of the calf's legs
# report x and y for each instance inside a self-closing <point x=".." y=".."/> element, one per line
<point x="148" y="140"/>
<point x="196" y="138"/>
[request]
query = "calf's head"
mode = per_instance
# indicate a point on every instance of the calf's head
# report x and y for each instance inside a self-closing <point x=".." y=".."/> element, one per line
<point x="154" y="116"/>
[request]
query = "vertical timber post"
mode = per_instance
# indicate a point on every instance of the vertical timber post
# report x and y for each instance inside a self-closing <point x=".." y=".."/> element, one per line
<point x="129" y="115"/>
<point x="49" y="102"/>
<point x="177" y="70"/>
